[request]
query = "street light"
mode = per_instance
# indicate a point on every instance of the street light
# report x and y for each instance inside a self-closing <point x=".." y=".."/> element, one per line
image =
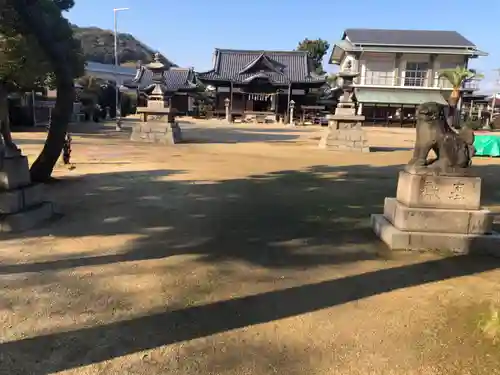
<point x="117" y="63"/>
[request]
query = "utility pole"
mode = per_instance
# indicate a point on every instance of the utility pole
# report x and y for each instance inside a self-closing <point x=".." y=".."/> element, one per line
<point x="495" y="93"/>
<point x="117" y="64"/>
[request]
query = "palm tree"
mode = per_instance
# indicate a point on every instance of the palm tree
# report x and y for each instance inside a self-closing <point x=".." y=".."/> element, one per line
<point x="332" y="79"/>
<point x="457" y="77"/>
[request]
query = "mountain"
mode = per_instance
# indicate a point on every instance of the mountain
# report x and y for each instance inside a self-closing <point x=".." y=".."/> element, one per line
<point x="98" y="46"/>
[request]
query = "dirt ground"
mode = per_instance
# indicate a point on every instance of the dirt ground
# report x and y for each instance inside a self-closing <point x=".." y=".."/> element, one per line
<point x="246" y="250"/>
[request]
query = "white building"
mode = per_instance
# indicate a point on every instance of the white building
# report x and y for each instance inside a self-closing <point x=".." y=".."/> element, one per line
<point x="399" y="69"/>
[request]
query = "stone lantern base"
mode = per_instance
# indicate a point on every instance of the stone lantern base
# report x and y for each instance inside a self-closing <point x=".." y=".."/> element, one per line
<point x="159" y="131"/>
<point x="344" y="132"/>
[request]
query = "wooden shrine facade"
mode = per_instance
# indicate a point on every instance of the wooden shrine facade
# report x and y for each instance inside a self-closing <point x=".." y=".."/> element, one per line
<point x="262" y="82"/>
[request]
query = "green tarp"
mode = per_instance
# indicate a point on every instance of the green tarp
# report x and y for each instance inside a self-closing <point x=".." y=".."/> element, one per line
<point x="487" y="145"/>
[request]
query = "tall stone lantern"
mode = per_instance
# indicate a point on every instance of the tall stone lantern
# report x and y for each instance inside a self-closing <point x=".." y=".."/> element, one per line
<point x="159" y="105"/>
<point x="344" y="132"/>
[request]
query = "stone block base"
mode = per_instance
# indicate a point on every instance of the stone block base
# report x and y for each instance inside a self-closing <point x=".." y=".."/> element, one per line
<point x="26" y="219"/>
<point x="396" y="239"/>
<point x="14" y="172"/>
<point x="344" y="140"/>
<point x="163" y="133"/>
<point x="16" y="200"/>
<point x="437" y="220"/>
<point x="443" y="191"/>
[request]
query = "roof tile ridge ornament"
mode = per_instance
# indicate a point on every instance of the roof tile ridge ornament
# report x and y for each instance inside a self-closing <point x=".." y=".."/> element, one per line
<point x="267" y="62"/>
<point x="256" y="76"/>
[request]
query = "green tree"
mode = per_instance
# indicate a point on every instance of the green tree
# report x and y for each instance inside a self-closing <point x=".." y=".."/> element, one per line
<point x="39" y="35"/>
<point x="332" y="79"/>
<point x="22" y="69"/>
<point x="317" y="49"/>
<point x="457" y="77"/>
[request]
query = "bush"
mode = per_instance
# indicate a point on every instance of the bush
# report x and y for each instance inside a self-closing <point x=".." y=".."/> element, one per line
<point x="472" y="124"/>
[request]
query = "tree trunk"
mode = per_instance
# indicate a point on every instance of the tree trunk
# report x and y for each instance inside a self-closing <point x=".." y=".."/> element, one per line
<point x="452" y="116"/>
<point x="4" y="106"/>
<point x="33" y="18"/>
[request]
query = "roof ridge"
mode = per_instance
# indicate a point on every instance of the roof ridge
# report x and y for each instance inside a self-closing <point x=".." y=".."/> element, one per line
<point x="372" y="29"/>
<point x="260" y="51"/>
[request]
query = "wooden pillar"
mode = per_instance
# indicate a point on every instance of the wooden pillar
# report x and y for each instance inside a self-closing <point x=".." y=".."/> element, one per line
<point x="215" y="110"/>
<point x="397" y="71"/>
<point x="401" y="116"/>
<point x="387" y="115"/>
<point x="276" y="103"/>
<point x="288" y="101"/>
<point x="431" y="71"/>
<point x="231" y="103"/>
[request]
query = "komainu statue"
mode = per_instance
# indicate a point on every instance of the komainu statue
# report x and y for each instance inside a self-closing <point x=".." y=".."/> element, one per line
<point x="453" y="149"/>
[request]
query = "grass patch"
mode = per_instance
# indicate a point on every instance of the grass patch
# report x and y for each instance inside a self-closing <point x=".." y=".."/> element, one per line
<point x="489" y="324"/>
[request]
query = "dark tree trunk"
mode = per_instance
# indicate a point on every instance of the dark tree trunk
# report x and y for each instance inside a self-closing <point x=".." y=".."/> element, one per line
<point x="32" y="16"/>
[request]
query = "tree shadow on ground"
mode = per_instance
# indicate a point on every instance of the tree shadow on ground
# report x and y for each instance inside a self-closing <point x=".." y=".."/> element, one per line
<point x="169" y="327"/>
<point x="284" y="219"/>
<point x="288" y="219"/>
<point x="280" y="219"/>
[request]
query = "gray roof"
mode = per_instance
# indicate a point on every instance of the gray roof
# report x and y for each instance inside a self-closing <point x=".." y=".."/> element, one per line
<point x="175" y="79"/>
<point x="279" y="67"/>
<point x="96" y="67"/>
<point x="421" y="38"/>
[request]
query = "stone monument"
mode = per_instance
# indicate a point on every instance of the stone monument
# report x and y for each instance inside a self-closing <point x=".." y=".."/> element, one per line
<point x="344" y="132"/>
<point x="158" y="105"/>
<point x="438" y="202"/>
<point x="22" y="206"/>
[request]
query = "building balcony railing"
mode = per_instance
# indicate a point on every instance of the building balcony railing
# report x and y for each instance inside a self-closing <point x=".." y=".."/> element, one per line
<point x="410" y="79"/>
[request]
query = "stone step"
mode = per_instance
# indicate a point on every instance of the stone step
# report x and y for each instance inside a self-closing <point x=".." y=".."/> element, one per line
<point x="437" y="220"/>
<point x="16" y="200"/>
<point x="483" y="244"/>
<point x="26" y="219"/>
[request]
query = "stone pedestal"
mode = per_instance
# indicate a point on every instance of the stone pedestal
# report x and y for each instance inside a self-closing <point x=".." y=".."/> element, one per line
<point x="159" y="131"/>
<point x="344" y="132"/>
<point x="21" y="203"/>
<point x="168" y="133"/>
<point x="437" y="212"/>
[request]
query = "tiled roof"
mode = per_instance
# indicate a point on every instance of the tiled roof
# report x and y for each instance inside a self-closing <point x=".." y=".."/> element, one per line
<point x="92" y="66"/>
<point x="175" y="79"/>
<point x="421" y="38"/>
<point x="281" y="67"/>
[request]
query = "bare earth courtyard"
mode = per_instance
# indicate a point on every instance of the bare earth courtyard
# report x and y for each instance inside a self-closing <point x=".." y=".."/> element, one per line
<point x="246" y="250"/>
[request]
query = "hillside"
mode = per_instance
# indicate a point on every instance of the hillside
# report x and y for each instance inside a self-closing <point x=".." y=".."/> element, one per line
<point x="98" y="46"/>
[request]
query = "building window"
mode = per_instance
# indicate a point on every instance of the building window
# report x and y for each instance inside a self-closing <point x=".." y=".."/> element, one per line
<point x="416" y="74"/>
<point x="379" y="72"/>
<point x="381" y="78"/>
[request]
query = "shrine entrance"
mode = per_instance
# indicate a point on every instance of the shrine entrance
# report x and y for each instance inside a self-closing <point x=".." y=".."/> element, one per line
<point x="258" y="99"/>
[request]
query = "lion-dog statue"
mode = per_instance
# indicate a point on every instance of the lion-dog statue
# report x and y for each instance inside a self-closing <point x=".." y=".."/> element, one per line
<point x="453" y="149"/>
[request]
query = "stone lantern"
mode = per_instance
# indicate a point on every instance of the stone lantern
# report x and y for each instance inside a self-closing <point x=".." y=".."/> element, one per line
<point x="158" y="105"/>
<point x="344" y="132"/>
<point x="157" y="96"/>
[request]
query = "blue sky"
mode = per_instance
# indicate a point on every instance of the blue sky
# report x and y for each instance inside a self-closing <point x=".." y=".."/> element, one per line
<point x="187" y="31"/>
